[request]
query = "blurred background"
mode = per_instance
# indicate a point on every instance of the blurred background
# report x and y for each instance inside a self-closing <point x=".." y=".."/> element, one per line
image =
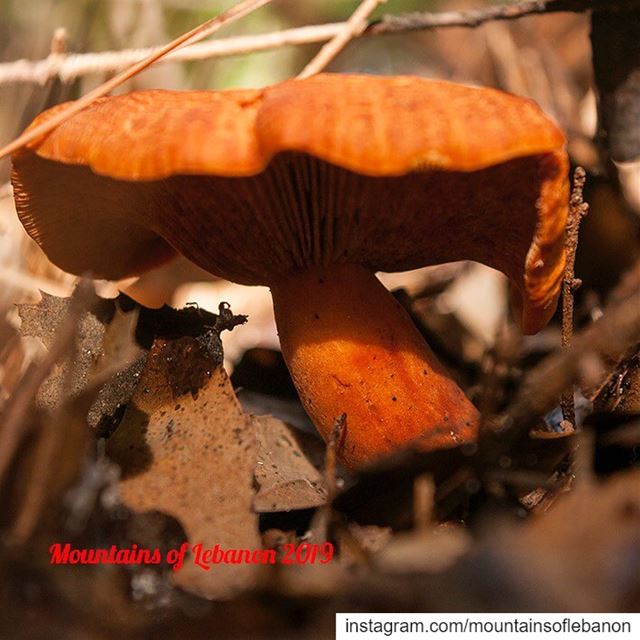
<point x="545" y="57"/>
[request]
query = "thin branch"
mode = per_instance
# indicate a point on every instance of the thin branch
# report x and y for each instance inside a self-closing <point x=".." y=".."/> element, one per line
<point x="335" y="444"/>
<point x="607" y="339"/>
<point x="352" y="28"/>
<point x="15" y="413"/>
<point x="577" y="210"/>
<point x="423" y="502"/>
<point x="202" y="31"/>
<point x="476" y="17"/>
<point x="71" y="66"/>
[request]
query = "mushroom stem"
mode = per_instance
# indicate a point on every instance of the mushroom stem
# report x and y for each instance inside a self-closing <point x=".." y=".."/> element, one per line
<point x="351" y="348"/>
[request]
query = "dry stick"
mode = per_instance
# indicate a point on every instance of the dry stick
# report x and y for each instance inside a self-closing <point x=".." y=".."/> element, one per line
<point x="15" y="417"/>
<point x="423" y="502"/>
<point x="476" y="17"/>
<point x="66" y="427"/>
<point x="59" y="42"/>
<point x="202" y="31"/>
<point x="69" y="67"/>
<point x="577" y="210"/>
<point x="323" y="517"/>
<point x="353" y="27"/>
<point x="608" y="338"/>
<point x="72" y="66"/>
<point x="502" y="356"/>
<point x="45" y="452"/>
<point x="336" y="441"/>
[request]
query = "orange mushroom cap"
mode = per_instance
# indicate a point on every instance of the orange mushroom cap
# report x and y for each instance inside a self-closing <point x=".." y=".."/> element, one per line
<point x="392" y="173"/>
<point x="310" y="186"/>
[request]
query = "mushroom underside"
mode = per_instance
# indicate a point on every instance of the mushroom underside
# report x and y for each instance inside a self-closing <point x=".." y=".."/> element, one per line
<point x="302" y="212"/>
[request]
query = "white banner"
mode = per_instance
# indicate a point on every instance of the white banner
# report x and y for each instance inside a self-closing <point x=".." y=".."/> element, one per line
<point x="505" y="626"/>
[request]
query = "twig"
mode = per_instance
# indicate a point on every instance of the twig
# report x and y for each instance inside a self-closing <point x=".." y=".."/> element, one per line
<point x="336" y="441"/>
<point x="69" y="67"/>
<point x="497" y="367"/>
<point x="352" y="28"/>
<point x="578" y="208"/>
<point x="581" y="468"/>
<point x="202" y="31"/>
<point x="62" y="440"/>
<point x="15" y="415"/>
<point x="608" y="338"/>
<point x="72" y="66"/>
<point x="59" y="42"/>
<point x="423" y="502"/>
<point x="325" y="516"/>
<point x="476" y="17"/>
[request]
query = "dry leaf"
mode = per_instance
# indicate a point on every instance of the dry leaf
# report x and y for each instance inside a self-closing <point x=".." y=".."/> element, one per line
<point x="285" y="474"/>
<point x="49" y="444"/>
<point x="187" y="450"/>
<point x="98" y="344"/>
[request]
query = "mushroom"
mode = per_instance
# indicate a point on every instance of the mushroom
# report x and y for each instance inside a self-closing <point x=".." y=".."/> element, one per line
<point x="310" y="187"/>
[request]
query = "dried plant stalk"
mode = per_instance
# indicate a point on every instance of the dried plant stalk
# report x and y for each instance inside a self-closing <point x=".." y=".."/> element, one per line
<point x="577" y="210"/>
<point x="198" y="33"/>
<point x="70" y="67"/>
<point x="352" y="28"/>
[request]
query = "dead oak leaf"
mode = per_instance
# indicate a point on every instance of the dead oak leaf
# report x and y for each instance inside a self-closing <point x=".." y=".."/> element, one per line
<point x="285" y="473"/>
<point x="187" y="450"/>
<point x="112" y="329"/>
<point x="44" y="445"/>
<point x="104" y="334"/>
